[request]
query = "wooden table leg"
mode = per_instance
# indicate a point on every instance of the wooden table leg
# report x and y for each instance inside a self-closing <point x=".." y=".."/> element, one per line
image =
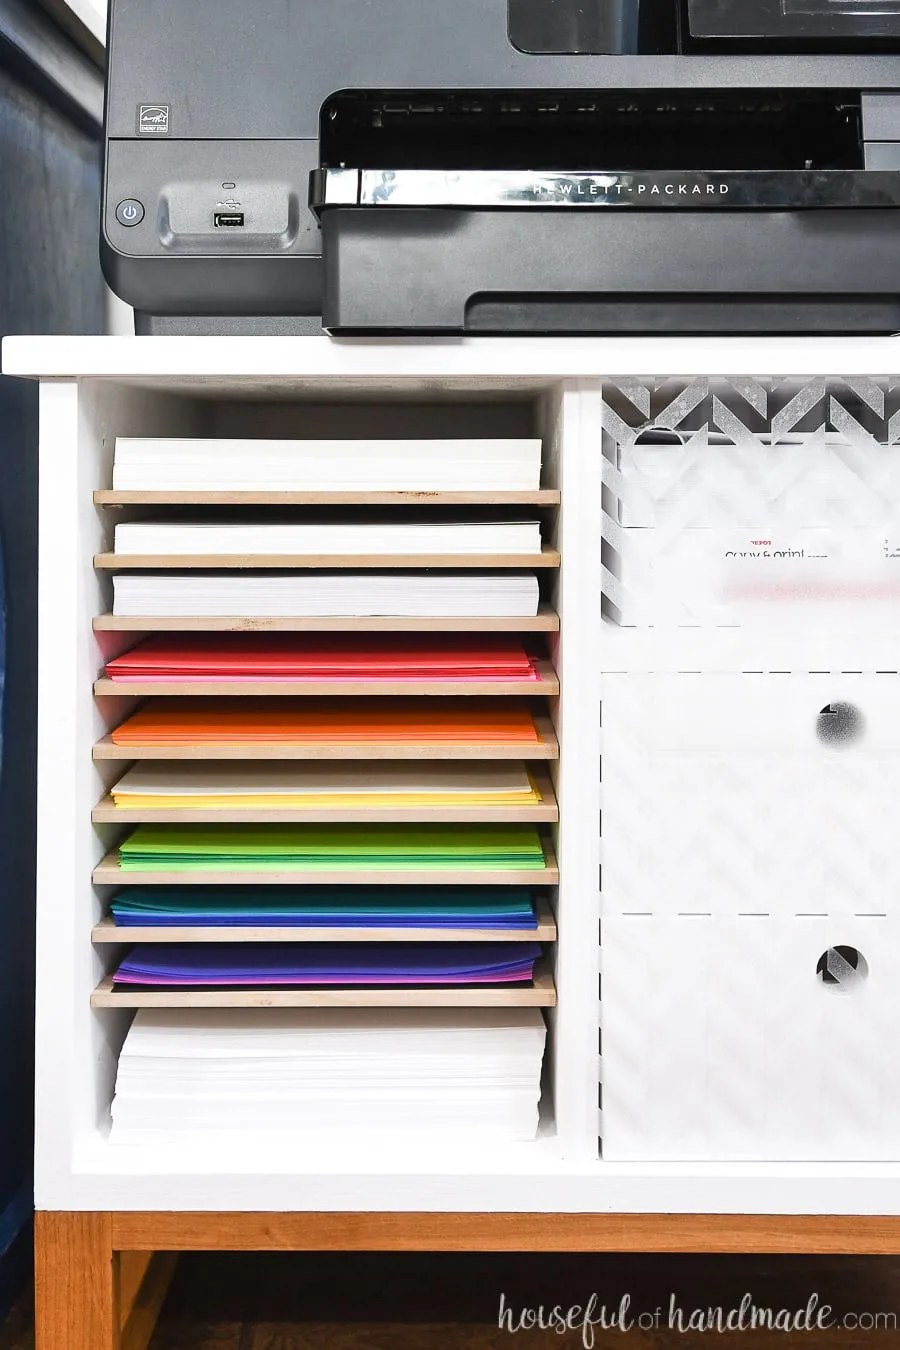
<point x="144" y="1279"/>
<point x="75" y="1276"/>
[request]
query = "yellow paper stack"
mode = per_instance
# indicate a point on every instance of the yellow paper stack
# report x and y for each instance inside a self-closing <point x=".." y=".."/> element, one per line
<point x="302" y="786"/>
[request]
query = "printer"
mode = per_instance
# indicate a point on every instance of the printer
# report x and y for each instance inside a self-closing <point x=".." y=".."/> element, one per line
<point x="504" y="166"/>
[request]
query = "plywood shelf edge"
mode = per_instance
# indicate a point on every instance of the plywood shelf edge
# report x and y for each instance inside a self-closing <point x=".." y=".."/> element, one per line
<point x="197" y="497"/>
<point x="108" y="873"/>
<point x="539" y="994"/>
<point x="546" y="684"/>
<point x="547" y="748"/>
<point x="146" y="562"/>
<point x="107" y="932"/>
<point x="545" y="621"/>
<point x="546" y="810"/>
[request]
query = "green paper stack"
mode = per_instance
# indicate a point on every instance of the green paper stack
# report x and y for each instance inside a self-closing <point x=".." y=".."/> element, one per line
<point x="271" y="847"/>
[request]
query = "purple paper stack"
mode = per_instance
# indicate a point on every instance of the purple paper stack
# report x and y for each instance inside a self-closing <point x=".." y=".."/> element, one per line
<point x="330" y="964"/>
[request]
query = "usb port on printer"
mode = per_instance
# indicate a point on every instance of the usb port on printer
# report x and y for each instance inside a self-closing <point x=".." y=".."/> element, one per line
<point x="229" y="220"/>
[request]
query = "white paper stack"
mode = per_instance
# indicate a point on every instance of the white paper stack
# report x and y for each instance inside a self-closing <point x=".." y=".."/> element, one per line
<point x="375" y="1073"/>
<point x="380" y="538"/>
<point x="328" y="595"/>
<point x="326" y="466"/>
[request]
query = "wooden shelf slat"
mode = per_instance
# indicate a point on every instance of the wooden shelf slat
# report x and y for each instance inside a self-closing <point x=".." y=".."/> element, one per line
<point x="546" y="684"/>
<point x="145" y="562"/>
<point x="545" y="621"/>
<point x="537" y="497"/>
<point x="108" y="873"/>
<point x="106" y="932"/>
<point x="106" y="813"/>
<point x="547" y="749"/>
<point x="545" y="811"/>
<point x="540" y="994"/>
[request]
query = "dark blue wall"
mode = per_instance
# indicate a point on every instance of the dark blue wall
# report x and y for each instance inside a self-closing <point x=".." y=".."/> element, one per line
<point x="49" y="283"/>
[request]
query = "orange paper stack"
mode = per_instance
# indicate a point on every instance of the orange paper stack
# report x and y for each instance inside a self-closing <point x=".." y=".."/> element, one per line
<point x="265" y="722"/>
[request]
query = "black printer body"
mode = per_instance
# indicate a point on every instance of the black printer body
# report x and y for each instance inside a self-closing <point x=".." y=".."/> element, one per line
<point x="504" y="166"/>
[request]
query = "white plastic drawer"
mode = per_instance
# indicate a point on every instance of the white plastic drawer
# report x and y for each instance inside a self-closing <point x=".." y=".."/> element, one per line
<point x="733" y="794"/>
<point x="751" y="502"/>
<point x="708" y="480"/>
<point x="722" y="1041"/>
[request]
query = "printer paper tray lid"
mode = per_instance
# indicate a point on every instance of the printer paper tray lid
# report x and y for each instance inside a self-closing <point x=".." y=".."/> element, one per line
<point x="461" y="269"/>
<point x="491" y="189"/>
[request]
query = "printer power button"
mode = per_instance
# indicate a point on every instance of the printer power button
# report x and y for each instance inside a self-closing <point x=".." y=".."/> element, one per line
<point x="130" y="212"/>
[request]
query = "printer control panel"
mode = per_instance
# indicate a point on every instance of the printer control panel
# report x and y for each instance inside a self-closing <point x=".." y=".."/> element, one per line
<point x="167" y="198"/>
<point x="179" y="212"/>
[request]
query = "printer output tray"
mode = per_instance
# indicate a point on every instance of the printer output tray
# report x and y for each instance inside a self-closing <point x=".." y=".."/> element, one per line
<point x="774" y="253"/>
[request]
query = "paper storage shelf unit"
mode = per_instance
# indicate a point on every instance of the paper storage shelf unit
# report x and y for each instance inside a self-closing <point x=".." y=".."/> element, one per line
<point x="741" y="951"/>
<point x="81" y="507"/>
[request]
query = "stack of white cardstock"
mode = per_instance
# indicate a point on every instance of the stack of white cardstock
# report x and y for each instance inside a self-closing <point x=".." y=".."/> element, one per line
<point x="327" y="595"/>
<point x="394" y="1073"/>
<point x="419" y="536"/>
<point x="185" y="464"/>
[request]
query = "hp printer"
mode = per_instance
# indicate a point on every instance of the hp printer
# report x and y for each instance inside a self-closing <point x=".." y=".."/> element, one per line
<point x="504" y="166"/>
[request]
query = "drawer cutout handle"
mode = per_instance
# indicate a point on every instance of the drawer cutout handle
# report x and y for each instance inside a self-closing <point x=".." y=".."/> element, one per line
<point x="840" y="725"/>
<point x="658" y="452"/>
<point x="842" y="969"/>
